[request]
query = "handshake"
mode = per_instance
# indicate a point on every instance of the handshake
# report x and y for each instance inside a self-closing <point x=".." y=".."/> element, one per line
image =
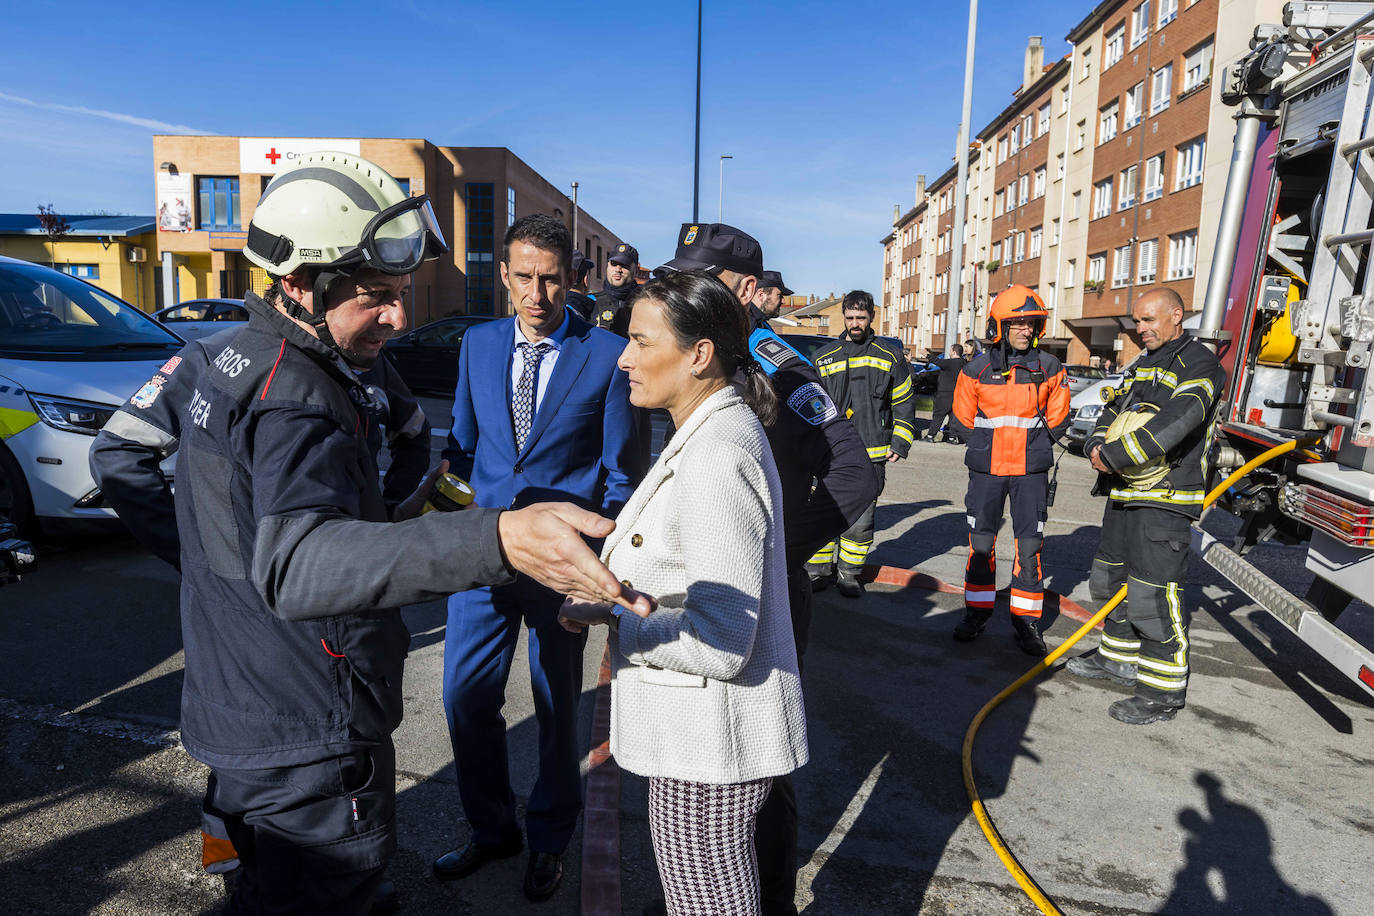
<point x="546" y="542"/>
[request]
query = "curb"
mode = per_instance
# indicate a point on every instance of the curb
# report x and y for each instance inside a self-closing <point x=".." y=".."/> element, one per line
<point x="601" y="817"/>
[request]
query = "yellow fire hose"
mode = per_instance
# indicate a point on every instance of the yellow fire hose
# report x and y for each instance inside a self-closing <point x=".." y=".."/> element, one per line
<point x="1033" y="890"/>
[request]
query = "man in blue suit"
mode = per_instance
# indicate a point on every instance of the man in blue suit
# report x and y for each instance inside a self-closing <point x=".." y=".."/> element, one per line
<point x="541" y="413"/>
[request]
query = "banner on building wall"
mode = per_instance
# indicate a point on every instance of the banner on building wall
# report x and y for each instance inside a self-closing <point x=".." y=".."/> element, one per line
<point x="173" y="202"/>
<point x="269" y="155"/>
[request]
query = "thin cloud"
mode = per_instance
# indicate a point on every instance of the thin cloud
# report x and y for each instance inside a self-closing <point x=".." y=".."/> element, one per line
<point x="134" y="120"/>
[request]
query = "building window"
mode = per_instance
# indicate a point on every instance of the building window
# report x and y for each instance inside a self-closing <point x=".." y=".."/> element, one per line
<point x="1036" y="241"/>
<point x="1020" y="247"/>
<point x="1070" y="272"/>
<point x="997" y="204"/>
<point x="1015" y="138"/>
<point x="1197" y="66"/>
<point x="995" y="253"/>
<point x="1077" y="209"/>
<point x="1154" y="178"/>
<point x="1135" y="104"/>
<point x="510" y="206"/>
<point x="84" y="271"/>
<point x="1102" y="198"/>
<point x="1097" y="268"/>
<point x="1149" y="249"/>
<point x="403" y="182"/>
<point x="1064" y="100"/>
<point x="219" y="203"/>
<point x="1001" y="149"/>
<point x="1011" y="197"/>
<point x="1121" y="266"/>
<point x="1044" y="126"/>
<point x="1059" y="167"/>
<point x="480" y="198"/>
<point x="1182" y="253"/>
<point x="1128" y="179"/>
<point x="1040" y="182"/>
<point x="1054" y="232"/>
<point x="1168" y="12"/>
<point x="1026" y="129"/>
<point x="1106" y="123"/>
<point x="1140" y="23"/>
<point x="1189" y="170"/>
<point x="1082" y="136"/>
<point x="1115" y="47"/>
<point x="1087" y="69"/>
<point x="1025" y="191"/>
<point x="1161" y="87"/>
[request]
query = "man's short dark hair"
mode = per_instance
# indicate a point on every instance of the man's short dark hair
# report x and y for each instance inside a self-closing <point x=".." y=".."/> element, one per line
<point x="958" y="349"/>
<point x="858" y="299"/>
<point x="543" y="232"/>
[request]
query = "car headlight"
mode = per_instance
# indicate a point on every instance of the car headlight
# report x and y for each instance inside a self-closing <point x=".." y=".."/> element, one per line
<point x="1089" y="411"/>
<point x="70" y="415"/>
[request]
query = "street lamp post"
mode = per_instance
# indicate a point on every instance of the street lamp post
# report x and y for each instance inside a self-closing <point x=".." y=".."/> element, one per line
<point x="720" y="209"/>
<point x="696" y="148"/>
<point x="576" y="243"/>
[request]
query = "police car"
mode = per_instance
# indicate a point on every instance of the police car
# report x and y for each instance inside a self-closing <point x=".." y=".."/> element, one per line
<point x="70" y="354"/>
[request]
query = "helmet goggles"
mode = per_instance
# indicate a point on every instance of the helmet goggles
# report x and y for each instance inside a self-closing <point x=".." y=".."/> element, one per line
<point x="400" y="238"/>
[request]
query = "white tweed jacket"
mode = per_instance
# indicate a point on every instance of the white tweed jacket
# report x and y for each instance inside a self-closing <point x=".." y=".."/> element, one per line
<point x="706" y="687"/>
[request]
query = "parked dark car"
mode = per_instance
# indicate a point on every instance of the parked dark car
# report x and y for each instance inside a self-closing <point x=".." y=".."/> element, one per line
<point x="196" y="318"/>
<point x="427" y="357"/>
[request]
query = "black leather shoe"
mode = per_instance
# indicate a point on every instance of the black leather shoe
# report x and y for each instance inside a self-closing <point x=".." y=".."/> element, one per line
<point x="384" y="899"/>
<point x="543" y="875"/>
<point x="1095" y="666"/>
<point x="849" y="585"/>
<point x="1138" y="710"/>
<point x="975" y="619"/>
<point x="1028" y="635"/>
<point x="462" y="862"/>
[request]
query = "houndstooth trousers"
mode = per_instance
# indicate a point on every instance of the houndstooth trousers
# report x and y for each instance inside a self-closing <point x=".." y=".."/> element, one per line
<point x="703" y="838"/>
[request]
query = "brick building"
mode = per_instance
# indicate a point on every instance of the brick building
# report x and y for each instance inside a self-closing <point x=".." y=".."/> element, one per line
<point x="208" y="187"/>
<point x="1102" y="178"/>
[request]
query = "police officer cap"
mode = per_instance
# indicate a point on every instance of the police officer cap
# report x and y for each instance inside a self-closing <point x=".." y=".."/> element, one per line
<point x="581" y="264"/>
<point x="715" y="247"/>
<point x="772" y="279"/>
<point x="624" y="255"/>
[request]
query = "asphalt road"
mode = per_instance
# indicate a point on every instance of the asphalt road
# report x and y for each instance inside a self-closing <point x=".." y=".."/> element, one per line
<point x="1254" y="800"/>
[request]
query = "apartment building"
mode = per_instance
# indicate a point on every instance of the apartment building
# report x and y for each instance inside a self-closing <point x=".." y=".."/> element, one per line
<point x="208" y="187"/>
<point x="1104" y="175"/>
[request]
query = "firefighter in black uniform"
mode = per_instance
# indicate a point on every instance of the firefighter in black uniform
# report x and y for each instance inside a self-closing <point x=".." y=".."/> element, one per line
<point x="869" y="380"/>
<point x="291" y="572"/>
<point x="827" y="483"/>
<point x="1150" y="445"/>
<point x="611" y="306"/>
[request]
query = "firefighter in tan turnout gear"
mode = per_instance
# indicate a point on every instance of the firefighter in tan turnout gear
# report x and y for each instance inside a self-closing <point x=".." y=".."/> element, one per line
<point x="1150" y="445"/>
<point x="867" y="378"/>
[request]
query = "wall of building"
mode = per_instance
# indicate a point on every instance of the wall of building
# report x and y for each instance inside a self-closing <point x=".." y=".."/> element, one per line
<point x="130" y="281"/>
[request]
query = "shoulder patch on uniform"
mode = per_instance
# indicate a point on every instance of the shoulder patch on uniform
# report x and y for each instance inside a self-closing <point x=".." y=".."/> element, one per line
<point x="771" y="351"/>
<point x="812" y="404"/>
<point x="170" y="366"/>
<point x="607" y="315"/>
<point x="144" y="397"/>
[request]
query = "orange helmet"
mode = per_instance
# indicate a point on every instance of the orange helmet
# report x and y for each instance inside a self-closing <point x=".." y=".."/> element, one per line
<point x="1016" y="301"/>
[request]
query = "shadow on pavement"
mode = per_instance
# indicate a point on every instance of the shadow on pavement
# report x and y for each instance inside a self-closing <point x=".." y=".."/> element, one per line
<point x="1229" y="868"/>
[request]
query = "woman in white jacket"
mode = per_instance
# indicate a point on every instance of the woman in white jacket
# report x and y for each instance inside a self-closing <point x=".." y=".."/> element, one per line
<point x="706" y="700"/>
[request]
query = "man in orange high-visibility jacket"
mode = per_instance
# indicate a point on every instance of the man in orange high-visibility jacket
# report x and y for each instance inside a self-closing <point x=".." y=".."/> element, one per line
<point x="1014" y="400"/>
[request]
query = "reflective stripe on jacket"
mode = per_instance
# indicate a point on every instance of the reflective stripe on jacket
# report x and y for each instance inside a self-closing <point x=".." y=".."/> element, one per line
<point x="1010" y="415"/>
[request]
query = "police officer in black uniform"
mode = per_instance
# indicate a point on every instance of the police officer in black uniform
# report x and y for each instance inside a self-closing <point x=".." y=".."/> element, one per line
<point x="611" y="306"/>
<point x="577" y="298"/>
<point x="292" y="574"/>
<point x="812" y="443"/>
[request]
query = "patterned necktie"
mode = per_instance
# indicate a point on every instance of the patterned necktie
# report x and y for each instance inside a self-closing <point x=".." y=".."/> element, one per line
<point x="522" y="405"/>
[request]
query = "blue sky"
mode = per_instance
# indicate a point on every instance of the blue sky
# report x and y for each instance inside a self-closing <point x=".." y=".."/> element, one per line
<point x="829" y="109"/>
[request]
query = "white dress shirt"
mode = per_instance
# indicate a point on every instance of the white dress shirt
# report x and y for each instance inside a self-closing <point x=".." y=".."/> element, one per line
<point x="550" y="359"/>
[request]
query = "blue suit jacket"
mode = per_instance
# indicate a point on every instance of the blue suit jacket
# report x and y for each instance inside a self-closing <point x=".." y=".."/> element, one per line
<point x="581" y="447"/>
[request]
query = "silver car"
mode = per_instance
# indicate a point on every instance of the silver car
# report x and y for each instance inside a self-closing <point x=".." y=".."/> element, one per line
<point x="196" y="318"/>
<point x="1086" y="406"/>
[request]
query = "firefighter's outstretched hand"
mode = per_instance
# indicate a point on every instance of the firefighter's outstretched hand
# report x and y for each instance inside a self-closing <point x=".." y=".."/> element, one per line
<point x="544" y="541"/>
<point x="1098" y="463"/>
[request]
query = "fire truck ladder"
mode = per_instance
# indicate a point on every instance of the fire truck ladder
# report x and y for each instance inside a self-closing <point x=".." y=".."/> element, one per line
<point x="1334" y="306"/>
